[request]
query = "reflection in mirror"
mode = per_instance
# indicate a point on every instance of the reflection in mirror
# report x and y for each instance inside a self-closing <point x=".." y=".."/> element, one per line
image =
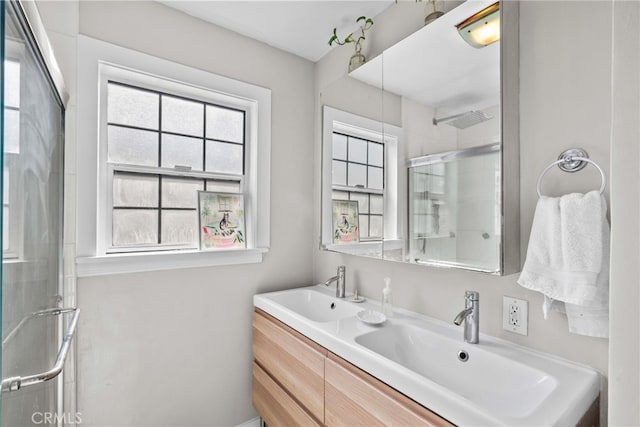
<point x="454" y="209"/>
<point x="454" y="119"/>
<point x="360" y="171"/>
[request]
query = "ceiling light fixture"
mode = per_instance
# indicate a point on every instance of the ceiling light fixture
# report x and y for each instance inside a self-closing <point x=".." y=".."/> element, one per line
<point x="482" y="28"/>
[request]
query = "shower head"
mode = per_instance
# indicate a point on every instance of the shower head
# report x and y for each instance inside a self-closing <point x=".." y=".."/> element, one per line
<point x="464" y="120"/>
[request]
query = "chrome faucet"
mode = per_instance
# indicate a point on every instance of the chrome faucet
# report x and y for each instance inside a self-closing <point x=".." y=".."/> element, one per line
<point x="470" y="316"/>
<point x="340" y="282"/>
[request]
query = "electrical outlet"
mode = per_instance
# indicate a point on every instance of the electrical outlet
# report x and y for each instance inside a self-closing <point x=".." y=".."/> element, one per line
<point x="515" y="315"/>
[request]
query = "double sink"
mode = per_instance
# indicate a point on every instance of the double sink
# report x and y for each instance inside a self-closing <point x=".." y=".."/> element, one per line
<point x="494" y="382"/>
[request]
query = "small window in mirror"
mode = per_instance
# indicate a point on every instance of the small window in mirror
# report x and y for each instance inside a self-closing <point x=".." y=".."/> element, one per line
<point x="360" y="159"/>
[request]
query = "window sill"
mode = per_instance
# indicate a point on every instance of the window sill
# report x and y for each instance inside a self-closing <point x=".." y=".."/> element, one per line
<point x="142" y="262"/>
<point x="363" y="248"/>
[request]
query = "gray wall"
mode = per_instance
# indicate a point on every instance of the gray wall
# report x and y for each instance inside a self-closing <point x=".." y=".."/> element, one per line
<point x="624" y="369"/>
<point x="174" y="347"/>
<point x="565" y="79"/>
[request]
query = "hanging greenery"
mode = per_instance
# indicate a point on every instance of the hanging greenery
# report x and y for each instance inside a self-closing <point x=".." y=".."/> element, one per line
<point x="365" y="24"/>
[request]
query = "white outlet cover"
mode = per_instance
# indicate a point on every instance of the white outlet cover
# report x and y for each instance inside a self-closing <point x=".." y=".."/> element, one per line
<point x="518" y="310"/>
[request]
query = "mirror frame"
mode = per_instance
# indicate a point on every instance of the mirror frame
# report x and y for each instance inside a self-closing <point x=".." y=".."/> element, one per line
<point x="510" y="135"/>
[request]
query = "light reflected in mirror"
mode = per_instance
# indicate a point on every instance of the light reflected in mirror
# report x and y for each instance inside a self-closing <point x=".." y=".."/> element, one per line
<point x="433" y="102"/>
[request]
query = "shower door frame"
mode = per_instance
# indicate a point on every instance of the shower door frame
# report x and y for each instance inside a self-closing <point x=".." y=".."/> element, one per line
<point x="29" y="19"/>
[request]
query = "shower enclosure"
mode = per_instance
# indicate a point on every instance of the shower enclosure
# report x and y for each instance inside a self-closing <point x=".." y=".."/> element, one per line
<point x="454" y="214"/>
<point x="36" y="329"/>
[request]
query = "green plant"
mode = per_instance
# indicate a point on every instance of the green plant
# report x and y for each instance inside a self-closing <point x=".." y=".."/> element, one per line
<point x="365" y="24"/>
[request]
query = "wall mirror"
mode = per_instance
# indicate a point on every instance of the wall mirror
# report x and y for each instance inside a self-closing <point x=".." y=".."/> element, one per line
<point x="420" y="147"/>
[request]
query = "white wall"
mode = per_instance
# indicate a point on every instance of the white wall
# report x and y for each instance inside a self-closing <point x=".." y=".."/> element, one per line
<point x="174" y="347"/>
<point x="565" y="71"/>
<point x="624" y="369"/>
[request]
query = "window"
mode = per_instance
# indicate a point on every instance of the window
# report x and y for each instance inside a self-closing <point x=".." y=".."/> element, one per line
<point x="163" y="149"/>
<point x="11" y="206"/>
<point x="164" y="132"/>
<point x="358" y="174"/>
<point x="360" y="162"/>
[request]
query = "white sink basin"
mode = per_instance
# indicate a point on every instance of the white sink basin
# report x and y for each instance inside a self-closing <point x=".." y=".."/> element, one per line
<point x="500" y="383"/>
<point x="487" y="379"/>
<point x="314" y="305"/>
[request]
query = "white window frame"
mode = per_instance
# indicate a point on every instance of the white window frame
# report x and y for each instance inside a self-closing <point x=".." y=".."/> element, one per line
<point x="372" y="130"/>
<point x="111" y="73"/>
<point x="15" y="249"/>
<point x="99" y="62"/>
<point x="14" y="51"/>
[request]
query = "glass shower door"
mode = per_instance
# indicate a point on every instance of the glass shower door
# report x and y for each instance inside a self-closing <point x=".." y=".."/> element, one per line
<point x="32" y="142"/>
<point x="454" y="214"/>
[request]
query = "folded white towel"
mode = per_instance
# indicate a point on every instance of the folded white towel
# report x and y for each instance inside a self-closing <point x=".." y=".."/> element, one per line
<point x="567" y="259"/>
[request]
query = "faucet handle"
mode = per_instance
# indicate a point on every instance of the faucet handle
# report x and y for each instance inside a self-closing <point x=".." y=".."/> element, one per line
<point x="472" y="296"/>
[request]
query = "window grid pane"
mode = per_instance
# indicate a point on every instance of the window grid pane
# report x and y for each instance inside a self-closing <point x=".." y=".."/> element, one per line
<point x="370" y="214"/>
<point x="223" y="186"/>
<point x="224" y="124"/>
<point x="152" y="128"/>
<point x="364" y="227"/>
<point x="358" y="162"/>
<point x="135" y="190"/>
<point x="181" y="151"/>
<point x="132" y="146"/>
<point x="135" y="227"/>
<point x="357" y="151"/>
<point x="156" y="209"/>
<point x="181" y="193"/>
<point x="376" y="226"/>
<point x="133" y="106"/>
<point x="182" y="116"/>
<point x="165" y="114"/>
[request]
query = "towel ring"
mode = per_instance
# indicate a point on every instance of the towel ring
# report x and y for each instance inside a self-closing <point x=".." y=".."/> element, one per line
<point x="578" y="163"/>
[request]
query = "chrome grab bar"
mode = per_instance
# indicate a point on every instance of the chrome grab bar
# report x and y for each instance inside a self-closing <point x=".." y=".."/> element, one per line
<point x="40" y="313"/>
<point x="16" y="383"/>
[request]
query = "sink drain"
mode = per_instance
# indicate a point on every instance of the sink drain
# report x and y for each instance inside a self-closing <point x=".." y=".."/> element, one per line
<point x="333" y="305"/>
<point x="463" y="356"/>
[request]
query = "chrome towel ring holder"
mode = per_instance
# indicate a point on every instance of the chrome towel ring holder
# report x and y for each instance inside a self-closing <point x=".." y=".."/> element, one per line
<point x="572" y="160"/>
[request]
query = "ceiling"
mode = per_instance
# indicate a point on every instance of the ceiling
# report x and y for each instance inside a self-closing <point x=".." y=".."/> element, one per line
<point x="301" y="27"/>
<point x="435" y="67"/>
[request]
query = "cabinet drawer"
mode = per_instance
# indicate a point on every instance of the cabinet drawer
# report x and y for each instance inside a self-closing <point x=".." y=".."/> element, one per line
<point x="355" y="398"/>
<point x="274" y="405"/>
<point x="296" y="361"/>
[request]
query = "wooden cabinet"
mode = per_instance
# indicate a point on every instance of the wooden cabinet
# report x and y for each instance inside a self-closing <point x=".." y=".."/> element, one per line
<point x="293" y="360"/>
<point x="296" y="382"/>
<point x="274" y="405"/>
<point x="355" y="398"/>
<point x="591" y="418"/>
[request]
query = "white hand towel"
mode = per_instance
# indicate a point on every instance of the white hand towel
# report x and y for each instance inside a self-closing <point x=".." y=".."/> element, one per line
<point x="567" y="259"/>
<point x="592" y="317"/>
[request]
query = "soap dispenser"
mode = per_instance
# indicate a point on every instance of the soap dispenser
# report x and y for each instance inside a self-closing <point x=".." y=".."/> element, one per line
<point x="387" y="301"/>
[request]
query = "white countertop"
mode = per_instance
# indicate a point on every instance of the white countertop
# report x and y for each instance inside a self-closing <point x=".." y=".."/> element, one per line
<point x="573" y="387"/>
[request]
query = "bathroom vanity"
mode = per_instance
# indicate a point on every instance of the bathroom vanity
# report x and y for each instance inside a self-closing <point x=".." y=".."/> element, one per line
<point x="298" y="382"/>
<point x="316" y="363"/>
